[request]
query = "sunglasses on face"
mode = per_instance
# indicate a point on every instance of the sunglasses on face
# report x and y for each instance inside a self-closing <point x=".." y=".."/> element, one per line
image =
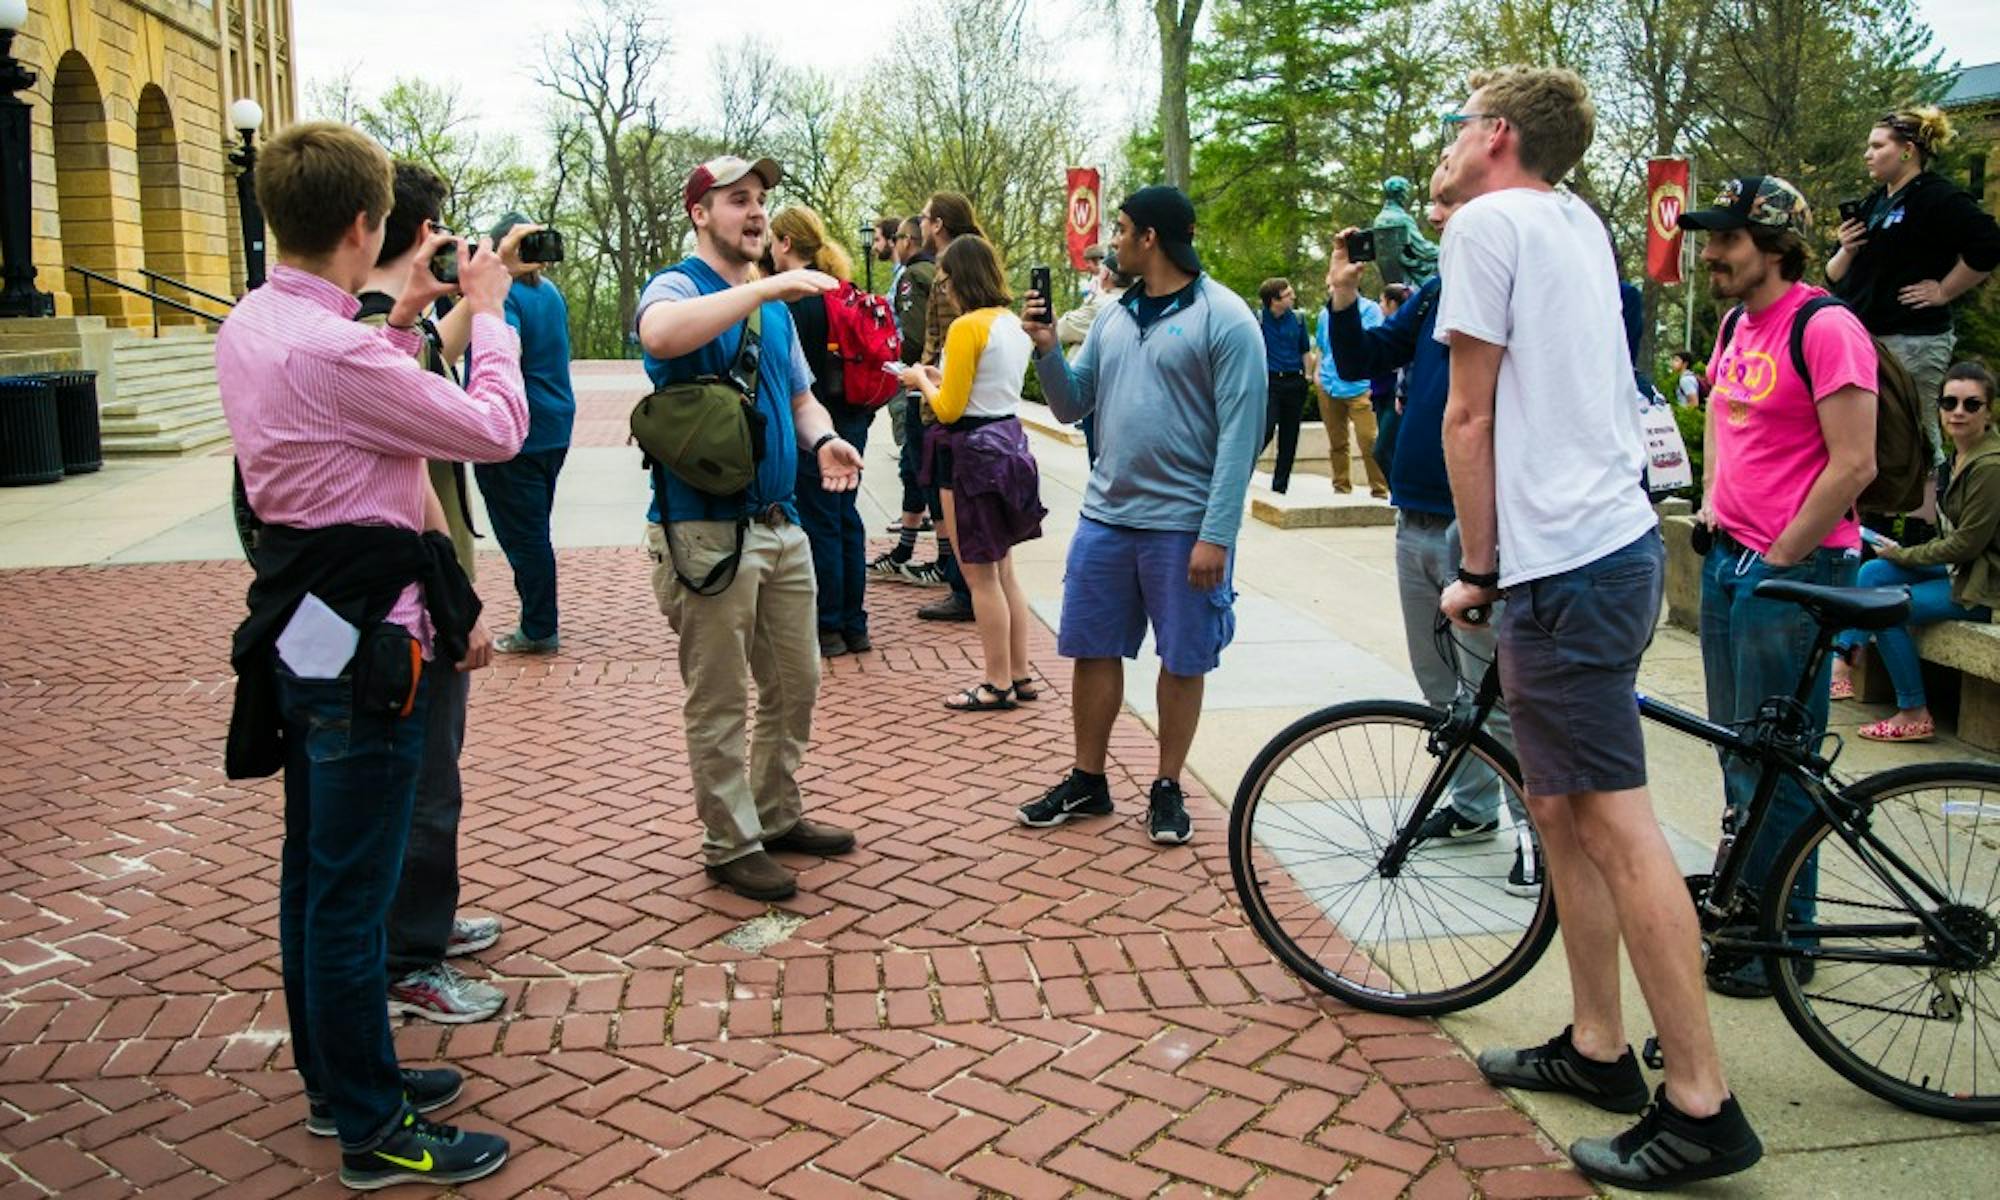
<point x="1972" y="404"/>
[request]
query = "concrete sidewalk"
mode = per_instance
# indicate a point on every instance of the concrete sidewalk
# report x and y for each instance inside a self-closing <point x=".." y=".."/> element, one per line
<point x="1318" y="624"/>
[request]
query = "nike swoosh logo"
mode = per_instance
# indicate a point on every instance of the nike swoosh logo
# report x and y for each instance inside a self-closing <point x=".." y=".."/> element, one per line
<point x="1072" y="806"/>
<point x="414" y="1164"/>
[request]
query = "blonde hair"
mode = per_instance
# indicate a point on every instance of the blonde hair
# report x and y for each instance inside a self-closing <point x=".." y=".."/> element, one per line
<point x="1926" y="128"/>
<point x="1550" y="110"/>
<point x="802" y="227"/>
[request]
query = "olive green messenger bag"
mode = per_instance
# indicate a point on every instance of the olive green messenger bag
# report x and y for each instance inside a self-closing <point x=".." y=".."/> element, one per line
<point x="707" y="432"/>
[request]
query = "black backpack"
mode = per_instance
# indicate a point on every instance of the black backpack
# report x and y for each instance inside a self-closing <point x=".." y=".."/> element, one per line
<point x="1902" y="454"/>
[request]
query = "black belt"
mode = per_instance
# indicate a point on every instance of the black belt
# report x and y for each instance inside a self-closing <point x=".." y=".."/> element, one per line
<point x="1288" y="374"/>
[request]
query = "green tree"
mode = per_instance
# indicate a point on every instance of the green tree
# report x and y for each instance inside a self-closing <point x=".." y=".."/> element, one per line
<point x="428" y="124"/>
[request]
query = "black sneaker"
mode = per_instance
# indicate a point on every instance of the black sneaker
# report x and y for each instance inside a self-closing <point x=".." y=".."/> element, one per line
<point x="1166" y="814"/>
<point x="951" y="608"/>
<point x="1075" y="796"/>
<point x="1555" y="1066"/>
<point x="420" y="1152"/>
<point x="1445" y="824"/>
<point x="1524" y="878"/>
<point x="1669" y="1149"/>
<point x="427" y="1091"/>
<point x="1745" y="979"/>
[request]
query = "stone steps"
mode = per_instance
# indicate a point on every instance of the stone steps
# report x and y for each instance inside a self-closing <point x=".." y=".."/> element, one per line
<point x="167" y="400"/>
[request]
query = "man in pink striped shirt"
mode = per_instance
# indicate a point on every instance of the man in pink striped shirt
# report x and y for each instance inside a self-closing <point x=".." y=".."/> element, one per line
<point x="333" y="422"/>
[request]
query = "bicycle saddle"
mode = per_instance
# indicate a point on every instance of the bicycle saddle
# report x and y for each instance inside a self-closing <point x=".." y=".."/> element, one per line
<point x="1843" y="607"/>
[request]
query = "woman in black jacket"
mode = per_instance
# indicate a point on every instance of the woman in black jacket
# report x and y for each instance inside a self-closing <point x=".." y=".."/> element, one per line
<point x="1917" y="243"/>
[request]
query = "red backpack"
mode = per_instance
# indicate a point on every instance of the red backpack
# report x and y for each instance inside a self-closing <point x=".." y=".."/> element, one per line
<point x="861" y="335"/>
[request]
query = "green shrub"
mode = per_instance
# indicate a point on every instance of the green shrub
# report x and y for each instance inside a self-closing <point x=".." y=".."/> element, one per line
<point x="1693" y="423"/>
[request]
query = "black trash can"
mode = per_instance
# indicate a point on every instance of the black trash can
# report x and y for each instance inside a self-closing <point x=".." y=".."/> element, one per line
<point x="30" y="435"/>
<point x="76" y="420"/>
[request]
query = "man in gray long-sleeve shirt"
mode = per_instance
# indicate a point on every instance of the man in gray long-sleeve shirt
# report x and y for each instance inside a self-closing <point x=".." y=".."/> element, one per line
<point x="1173" y="374"/>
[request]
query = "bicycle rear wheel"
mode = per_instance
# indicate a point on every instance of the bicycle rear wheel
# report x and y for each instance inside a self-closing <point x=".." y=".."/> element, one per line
<point x="1923" y="1034"/>
<point x="1315" y="814"/>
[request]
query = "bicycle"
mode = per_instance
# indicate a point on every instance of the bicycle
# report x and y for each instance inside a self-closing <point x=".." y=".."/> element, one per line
<point x="1888" y="975"/>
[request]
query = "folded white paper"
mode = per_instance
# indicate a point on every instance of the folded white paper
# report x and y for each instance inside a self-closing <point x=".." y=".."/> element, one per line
<point x="318" y="643"/>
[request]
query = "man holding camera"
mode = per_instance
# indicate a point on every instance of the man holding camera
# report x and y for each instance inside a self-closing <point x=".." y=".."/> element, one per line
<point x="358" y="609"/>
<point x="521" y="493"/>
<point x="763" y="619"/>
<point x="1175" y="376"/>
<point x="1344" y="402"/>
<point x="424" y="928"/>
<point x="1543" y="444"/>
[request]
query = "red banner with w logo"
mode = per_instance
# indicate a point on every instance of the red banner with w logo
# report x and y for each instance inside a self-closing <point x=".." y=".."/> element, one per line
<point x="1666" y="199"/>
<point x="1082" y="209"/>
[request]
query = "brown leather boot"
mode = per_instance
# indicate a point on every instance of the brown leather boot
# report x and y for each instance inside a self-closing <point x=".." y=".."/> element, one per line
<point x="812" y="837"/>
<point x="756" y="876"/>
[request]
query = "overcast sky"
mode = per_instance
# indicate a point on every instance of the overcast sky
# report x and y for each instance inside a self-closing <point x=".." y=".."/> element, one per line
<point x="489" y="48"/>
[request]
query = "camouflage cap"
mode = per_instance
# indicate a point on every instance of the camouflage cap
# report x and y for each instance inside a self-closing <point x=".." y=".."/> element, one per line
<point x="1754" y="200"/>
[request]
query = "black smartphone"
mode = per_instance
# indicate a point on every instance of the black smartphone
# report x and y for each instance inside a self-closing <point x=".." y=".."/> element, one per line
<point x="1360" y="246"/>
<point x="1850" y="210"/>
<point x="444" y="264"/>
<point x="542" y="246"/>
<point x="1038" y="283"/>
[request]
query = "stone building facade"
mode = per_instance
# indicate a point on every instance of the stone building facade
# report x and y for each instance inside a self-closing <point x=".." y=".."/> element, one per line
<point x="131" y="137"/>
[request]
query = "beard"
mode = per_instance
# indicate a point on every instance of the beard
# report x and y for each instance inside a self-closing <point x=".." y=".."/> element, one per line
<point x="1733" y="283"/>
<point x="746" y="247"/>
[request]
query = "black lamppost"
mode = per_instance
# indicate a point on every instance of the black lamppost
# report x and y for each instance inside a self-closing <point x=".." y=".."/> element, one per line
<point x="246" y="116"/>
<point x="868" y="251"/>
<point x="18" y="297"/>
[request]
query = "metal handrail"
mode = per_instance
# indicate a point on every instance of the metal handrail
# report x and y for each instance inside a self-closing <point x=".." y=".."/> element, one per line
<point x="189" y="288"/>
<point x="90" y="305"/>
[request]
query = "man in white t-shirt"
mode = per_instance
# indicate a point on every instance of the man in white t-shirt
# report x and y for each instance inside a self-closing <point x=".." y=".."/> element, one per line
<point x="1543" y="445"/>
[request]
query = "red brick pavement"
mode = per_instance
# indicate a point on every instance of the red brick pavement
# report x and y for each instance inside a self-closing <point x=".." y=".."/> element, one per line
<point x="968" y="1008"/>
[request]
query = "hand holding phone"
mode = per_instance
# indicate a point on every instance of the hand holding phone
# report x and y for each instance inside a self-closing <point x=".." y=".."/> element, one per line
<point x="1040" y="287"/>
<point x="1360" y="245"/>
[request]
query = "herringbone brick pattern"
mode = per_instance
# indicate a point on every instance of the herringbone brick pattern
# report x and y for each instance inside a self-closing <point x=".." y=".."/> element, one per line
<point x="965" y="1008"/>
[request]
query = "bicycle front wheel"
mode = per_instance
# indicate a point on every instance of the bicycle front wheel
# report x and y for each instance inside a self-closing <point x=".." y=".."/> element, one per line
<point x="1456" y="922"/>
<point x="1906" y="1014"/>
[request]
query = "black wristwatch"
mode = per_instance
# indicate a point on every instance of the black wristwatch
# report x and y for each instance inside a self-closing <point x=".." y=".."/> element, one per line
<point x="1489" y="580"/>
<point x="824" y="438"/>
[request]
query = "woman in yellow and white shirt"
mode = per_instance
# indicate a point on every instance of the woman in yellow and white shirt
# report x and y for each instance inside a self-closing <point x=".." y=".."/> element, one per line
<point x="977" y="456"/>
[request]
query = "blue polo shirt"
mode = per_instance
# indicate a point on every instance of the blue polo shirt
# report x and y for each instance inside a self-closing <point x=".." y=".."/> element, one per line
<point x="1285" y="341"/>
<point x="1330" y="380"/>
<point x="782" y="374"/>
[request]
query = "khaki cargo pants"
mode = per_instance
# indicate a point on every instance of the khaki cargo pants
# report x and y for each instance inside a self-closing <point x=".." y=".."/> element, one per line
<point x="763" y="626"/>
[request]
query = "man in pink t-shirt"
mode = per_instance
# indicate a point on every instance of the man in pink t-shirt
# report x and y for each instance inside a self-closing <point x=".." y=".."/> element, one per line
<point x="1786" y="456"/>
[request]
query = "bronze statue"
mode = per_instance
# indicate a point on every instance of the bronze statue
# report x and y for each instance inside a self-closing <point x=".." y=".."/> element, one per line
<point x="1403" y="253"/>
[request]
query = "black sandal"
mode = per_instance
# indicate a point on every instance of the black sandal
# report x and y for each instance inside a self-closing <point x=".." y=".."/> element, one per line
<point x="976" y="699"/>
<point x="1024" y="689"/>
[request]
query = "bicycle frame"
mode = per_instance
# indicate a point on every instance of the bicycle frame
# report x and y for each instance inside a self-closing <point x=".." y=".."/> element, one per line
<point x="1776" y="740"/>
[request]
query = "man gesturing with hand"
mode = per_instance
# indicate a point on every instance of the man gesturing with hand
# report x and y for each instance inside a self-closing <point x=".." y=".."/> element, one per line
<point x="759" y="612"/>
<point x="1174" y="373"/>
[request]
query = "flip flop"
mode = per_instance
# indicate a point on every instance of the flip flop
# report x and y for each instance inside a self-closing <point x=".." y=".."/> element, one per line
<point x="1024" y="689"/>
<point x="1841" y="689"/>
<point x="984" y="698"/>
<point x="1889" y="731"/>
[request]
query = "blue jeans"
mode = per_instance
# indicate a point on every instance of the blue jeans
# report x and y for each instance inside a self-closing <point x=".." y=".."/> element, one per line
<point x="427" y="897"/>
<point x="350" y="780"/>
<point x="1753" y="649"/>
<point x="1930" y="602"/>
<point x="832" y="522"/>
<point x="520" y="497"/>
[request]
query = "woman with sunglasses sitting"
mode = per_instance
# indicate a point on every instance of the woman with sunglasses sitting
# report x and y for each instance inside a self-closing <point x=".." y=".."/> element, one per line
<point x="1953" y="577"/>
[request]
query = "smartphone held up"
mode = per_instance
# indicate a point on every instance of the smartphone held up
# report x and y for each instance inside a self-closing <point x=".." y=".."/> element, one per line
<point x="1039" y="283"/>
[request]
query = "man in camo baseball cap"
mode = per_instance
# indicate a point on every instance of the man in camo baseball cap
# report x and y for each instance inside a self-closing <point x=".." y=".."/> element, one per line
<point x="1754" y="200"/>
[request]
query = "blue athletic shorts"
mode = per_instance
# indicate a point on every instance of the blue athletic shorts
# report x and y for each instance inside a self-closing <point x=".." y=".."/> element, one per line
<point x="1118" y="580"/>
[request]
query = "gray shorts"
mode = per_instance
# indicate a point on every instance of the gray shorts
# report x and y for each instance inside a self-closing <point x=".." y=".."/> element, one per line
<point x="1570" y="646"/>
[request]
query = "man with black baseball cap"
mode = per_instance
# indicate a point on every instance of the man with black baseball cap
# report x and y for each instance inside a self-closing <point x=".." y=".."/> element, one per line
<point x="1787" y="456"/>
<point x="1179" y="420"/>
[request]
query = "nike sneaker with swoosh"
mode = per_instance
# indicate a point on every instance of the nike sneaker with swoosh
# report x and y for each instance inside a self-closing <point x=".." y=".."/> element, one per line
<point x="419" y="1151"/>
<point x="1076" y="796"/>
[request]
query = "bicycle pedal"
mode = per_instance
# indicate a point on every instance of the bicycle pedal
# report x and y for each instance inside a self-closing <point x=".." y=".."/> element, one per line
<point x="1652" y="1055"/>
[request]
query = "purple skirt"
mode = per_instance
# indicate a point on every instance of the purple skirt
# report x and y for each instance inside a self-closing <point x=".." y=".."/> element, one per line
<point x="995" y="485"/>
